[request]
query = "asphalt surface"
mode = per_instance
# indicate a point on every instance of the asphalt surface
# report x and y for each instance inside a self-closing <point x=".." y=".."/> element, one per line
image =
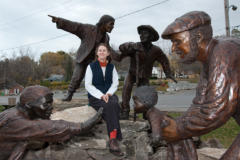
<point x="168" y="101"/>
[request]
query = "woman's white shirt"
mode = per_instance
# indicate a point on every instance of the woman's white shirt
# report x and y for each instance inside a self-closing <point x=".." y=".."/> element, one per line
<point x="93" y="90"/>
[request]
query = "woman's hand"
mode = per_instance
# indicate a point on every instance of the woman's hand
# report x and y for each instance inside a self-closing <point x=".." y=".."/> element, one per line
<point x="105" y="98"/>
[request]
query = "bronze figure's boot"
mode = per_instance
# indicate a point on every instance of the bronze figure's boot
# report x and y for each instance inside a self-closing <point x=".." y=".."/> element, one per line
<point x="114" y="147"/>
<point x="68" y="97"/>
<point x="124" y="115"/>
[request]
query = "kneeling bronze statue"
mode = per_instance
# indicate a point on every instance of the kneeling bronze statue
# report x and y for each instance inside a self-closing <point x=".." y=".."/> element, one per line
<point x="28" y="123"/>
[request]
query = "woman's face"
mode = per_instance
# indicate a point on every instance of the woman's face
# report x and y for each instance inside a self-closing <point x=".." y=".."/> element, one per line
<point x="102" y="53"/>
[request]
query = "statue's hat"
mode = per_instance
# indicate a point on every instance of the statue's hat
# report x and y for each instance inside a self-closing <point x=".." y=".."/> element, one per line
<point x="151" y="29"/>
<point x="187" y="22"/>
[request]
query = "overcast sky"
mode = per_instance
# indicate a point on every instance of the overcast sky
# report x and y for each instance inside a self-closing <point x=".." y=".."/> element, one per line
<point x="26" y="21"/>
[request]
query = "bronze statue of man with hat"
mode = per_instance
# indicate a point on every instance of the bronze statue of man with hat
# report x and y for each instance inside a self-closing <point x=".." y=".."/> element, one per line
<point x="217" y="95"/>
<point x="28" y="124"/>
<point x="142" y="57"/>
<point x="91" y="36"/>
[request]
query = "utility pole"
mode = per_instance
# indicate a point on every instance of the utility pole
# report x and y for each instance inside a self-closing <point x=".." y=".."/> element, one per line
<point x="226" y="8"/>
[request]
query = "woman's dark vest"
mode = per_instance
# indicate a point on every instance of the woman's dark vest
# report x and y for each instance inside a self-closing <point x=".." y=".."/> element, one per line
<point x="98" y="80"/>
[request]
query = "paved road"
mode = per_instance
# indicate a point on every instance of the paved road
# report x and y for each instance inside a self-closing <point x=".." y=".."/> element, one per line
<point x="178" y="101"/>
<point x="174" y="101"/>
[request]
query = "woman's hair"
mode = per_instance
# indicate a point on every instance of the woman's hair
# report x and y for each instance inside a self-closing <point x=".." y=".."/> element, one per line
<point x="108" y="50"/>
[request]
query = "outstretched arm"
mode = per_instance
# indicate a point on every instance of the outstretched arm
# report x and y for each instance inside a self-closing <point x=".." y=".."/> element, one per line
<point x="21" y="129"/>
<point x="162" y="58"/>
<point x="215" y="106"/>
<point x="127" y="49"/>
<point x="69" y="26"/>
<point x="54" y="19"/>
<point x="86" y="126"/>
<point x="163" y="126"/>
<point x="116" y="55"/>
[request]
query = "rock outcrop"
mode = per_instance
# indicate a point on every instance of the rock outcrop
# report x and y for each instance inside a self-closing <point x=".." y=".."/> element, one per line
<point x="136" y="143"/>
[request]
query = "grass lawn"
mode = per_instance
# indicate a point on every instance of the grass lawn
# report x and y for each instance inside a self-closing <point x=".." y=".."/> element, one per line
<point x="225" y="134"/>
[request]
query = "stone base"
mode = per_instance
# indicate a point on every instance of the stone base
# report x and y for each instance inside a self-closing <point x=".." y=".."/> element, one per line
<point x="60" y="105"/>
<point x="94" y="145"/>
<point x="210" y="153"/>
<point x="77" y="114"/>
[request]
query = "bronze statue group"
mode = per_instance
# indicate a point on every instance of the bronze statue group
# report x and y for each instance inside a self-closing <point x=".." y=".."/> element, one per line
<point x="217" y="94"/>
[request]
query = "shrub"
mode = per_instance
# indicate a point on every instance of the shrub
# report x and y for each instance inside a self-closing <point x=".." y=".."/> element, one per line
<point x="2" y="108"/>
<point x="55" y="85"/>
<point x="45" y="83"/>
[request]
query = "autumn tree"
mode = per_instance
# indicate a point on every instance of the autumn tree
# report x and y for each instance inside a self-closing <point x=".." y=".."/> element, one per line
<point x="56" y="63"/>
<point x="21" y="69"/>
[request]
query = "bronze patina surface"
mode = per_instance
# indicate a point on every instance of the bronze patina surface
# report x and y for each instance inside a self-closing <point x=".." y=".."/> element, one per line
<point x="217" y="95"/>
<point x="91" y="36"/>
<point x="28" y="123"/>
<point x="145" y="98"/>
<point x="142" y="57"/>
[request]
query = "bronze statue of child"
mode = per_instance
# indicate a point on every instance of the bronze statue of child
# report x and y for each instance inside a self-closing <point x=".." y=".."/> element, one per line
<point x="145" y="98"/>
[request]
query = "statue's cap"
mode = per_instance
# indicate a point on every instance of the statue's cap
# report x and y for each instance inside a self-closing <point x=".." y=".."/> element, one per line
<point x="151" y="29"/>
<point x="187" y="22"/>
<point x="32" y="93"/>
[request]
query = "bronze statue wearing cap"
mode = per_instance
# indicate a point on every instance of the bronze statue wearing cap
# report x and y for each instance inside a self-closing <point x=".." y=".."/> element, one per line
<point x="217" y="95"/>
<point x="142" y="57"/>
<point x="27" y="123"/>
<point x="91" y="36"/>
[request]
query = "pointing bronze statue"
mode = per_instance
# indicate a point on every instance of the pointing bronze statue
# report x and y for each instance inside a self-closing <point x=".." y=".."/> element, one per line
<point x="91" y="36"/>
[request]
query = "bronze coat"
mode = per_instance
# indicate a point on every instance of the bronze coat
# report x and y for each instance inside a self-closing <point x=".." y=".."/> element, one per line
<point x="146" y="59"/>
<point x="217" y="95"/>
<point x="88" y="35"/>
<point x="18" y="131"/>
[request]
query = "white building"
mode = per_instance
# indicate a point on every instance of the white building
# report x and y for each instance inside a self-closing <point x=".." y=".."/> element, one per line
<point x="158" y="72"/>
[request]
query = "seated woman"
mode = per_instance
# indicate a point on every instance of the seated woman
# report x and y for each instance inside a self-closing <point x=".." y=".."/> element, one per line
<point x="101" y="82"/>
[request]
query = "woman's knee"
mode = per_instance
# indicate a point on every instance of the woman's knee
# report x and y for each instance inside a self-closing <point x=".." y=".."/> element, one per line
<point x="113" y="99"/>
